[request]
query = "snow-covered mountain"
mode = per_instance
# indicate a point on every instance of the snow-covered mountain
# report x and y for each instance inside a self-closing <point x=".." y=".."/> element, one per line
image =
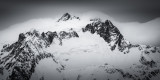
<point x="67" y="16"/>
<point x="95" y="50"/>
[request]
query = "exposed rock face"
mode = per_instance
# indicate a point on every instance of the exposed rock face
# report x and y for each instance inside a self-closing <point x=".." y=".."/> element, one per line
<point x="23" y="55"/>
<point x="67" y="35"/>
<point x="49" y="36"/>
<point x="109" y="33"/>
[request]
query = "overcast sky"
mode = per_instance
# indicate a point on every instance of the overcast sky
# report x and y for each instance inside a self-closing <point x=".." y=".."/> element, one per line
<point x="124" y="11"/>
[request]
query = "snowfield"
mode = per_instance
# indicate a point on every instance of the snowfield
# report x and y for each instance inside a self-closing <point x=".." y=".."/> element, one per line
<point x="74" y="49"/>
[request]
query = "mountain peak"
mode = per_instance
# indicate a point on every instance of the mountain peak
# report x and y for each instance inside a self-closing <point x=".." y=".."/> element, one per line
<point x="109" y="23"/>
<point x="109" y="33"/>
<point x="67" y="16"/>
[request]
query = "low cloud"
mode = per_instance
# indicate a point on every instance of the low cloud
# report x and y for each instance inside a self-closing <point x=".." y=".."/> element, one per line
<point x="142" y="33"/>
<point x="135" y="32"/>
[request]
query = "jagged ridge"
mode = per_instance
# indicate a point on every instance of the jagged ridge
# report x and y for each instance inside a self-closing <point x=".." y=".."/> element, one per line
<point x="24" y="54"/>
<point x="109" y="33"/>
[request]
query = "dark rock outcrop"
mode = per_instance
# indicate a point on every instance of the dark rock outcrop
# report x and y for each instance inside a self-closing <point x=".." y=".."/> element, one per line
<point x="108" y="32"/>
<point x="67" y="35"/>
<point x="24" y="54"/>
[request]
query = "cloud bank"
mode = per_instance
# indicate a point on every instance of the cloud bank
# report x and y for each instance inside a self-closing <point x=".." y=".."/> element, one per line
<point x="135" y="32"/>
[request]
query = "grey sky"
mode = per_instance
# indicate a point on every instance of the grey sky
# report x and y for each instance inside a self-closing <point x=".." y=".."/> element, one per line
<point x="121" y="10"/>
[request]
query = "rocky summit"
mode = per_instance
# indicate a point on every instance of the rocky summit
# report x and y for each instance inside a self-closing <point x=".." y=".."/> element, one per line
<point x="67" y="16"/>
<point x="96" y="51"/>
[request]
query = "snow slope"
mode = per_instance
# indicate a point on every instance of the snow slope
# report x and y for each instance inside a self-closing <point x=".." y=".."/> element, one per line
<point x="72" y="48"/>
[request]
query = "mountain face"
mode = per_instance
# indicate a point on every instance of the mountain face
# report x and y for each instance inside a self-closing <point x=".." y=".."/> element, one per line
<point x="67" y="16"/>
<point x="96" y="52"/>
<point x="109" y="33"/>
